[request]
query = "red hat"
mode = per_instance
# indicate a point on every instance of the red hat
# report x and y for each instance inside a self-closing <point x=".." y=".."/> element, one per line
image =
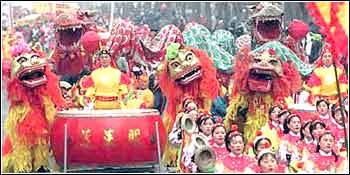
<point x="234" y="131"/>
<point x="218" y="123"/>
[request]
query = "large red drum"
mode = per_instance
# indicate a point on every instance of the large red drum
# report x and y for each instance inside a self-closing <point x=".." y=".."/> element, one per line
<point x="107" y="137"/>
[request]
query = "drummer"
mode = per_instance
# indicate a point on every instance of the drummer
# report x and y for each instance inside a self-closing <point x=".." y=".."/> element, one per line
<point x="106" y="85"/>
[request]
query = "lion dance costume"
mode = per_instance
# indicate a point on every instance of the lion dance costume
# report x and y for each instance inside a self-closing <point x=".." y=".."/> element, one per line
<point x="186" y="71"/>
<point x="263" y="78"/>
<point x="34" y="96"/>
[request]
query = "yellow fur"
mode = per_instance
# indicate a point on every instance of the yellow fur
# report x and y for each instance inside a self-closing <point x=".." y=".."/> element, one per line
<point x="23" y="157"/>
<point x="254" y="121"/>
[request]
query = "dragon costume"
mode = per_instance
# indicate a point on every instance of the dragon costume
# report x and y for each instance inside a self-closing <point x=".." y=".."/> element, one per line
<point x="34" y="95"/>
<point x="219" y="46"/>
<point x="263" y="78"/>
<point x="69" y="56"/>
<point x="267" y="25"/>
<point x="189" y="71"/>
<point x="134" y="42"/>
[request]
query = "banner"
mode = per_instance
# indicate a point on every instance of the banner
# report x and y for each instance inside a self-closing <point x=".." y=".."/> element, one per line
<point x="333" y="20"/>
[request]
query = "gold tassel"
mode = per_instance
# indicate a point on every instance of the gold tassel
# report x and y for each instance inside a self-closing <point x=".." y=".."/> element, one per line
<point x="259" y="119"/>
<point x="21" y="157"/>
<point x="232" y="110"/>
<point x="170" y="152"/>
<point x="15" y="115"/>
<point x="6" y="164"/>
<point x="41" y="155"/>
<point x="50" y="110"/>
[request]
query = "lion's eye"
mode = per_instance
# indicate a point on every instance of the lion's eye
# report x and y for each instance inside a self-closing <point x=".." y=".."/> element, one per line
<point x="257" y="60"/>
<point x="22" y="60"/>
<point x="175" y="65"/>
<point x="273" y="62"/>
<point x="189" y="57"/>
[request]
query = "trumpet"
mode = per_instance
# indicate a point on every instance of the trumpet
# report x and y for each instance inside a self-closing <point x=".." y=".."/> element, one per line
<point x="188" y="123"/>
<point x="204" y="156"/>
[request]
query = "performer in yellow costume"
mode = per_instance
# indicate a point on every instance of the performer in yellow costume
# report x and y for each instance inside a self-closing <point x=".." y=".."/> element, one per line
<point x="141" y="96"/>
<point x="106" y="85"/>
<point x="322" y="82"/>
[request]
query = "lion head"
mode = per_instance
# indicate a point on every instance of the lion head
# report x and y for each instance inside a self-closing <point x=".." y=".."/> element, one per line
<point x="264" y="71"/>
<point x="29" y="69"/>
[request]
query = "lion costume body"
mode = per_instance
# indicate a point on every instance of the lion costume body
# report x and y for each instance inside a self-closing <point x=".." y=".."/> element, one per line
<point x="34" y="94"/>
<point x="184" y="79"/>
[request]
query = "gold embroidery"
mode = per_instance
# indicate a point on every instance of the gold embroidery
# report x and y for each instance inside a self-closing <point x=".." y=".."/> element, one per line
<point x="86" y="135"/>
<point x="108" y="136"/>
<point x="134" y="134"/>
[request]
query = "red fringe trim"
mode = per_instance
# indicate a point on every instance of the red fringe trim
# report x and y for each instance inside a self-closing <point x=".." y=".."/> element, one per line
<point x="33" y="126"/>
<point x="17" y="93"/>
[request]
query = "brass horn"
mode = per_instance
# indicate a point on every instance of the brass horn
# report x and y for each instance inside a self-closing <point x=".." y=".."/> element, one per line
<point x="205" y="159"/>
<point x="188" y="124"/>
<point x="199" y="141"/>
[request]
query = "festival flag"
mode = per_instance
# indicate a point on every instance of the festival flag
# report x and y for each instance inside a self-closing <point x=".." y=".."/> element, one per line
<point x="333" y="20"/>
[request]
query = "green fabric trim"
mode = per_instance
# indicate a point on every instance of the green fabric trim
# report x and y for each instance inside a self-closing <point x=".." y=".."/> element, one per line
<point x="172" y="51"/>
<point x="220" y="46"/>
<point x="287" y="55"/>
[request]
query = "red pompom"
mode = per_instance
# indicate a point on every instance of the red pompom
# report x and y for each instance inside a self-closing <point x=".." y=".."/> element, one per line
<point x="87" y="82"/>
<point x="342" y="149"/>
<point x="258" y="133"/>
<point x="266" y="145"/>
<point x="271" y="51"/>
<point x="90" y="41"/>
<point x="234" y="127"/>
<point x="300" y="165"/>
<point x="219" y="120"/>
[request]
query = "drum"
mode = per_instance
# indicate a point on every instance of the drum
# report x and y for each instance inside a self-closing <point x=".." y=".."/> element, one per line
<point x="107" y="137"/>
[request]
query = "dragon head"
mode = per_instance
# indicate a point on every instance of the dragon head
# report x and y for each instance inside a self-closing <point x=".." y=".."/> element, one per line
<point x="267" y="22"/>
<point x="183" y="64"/>
<point x="69" y="29"/>
<point x="29" y="69"/>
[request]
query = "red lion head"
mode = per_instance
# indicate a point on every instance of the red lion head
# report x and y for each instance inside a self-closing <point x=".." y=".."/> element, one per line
<point x="264" y="72"/>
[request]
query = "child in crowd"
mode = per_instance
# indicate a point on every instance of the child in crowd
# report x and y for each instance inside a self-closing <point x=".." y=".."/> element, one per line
<point x="325" y="160"/>
<point x="322" y="107"/>
<point x="272" y="130"/>
<point x="268" y="163"/>
<point x="235" y="161"/>
<point x="308" y="140"/>
<point x="337" y="126"/>
<point x="260" y="142"/>
<point x="282" y="117"/>
<point x="291" y="147"/>
<point x="317" y="128"/>
<point x="218" y="144"/>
